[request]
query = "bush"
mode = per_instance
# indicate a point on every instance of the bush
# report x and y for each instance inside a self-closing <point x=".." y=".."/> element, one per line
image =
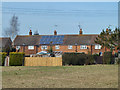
<point x="13" y="49"/>
<point x="90" y="59"/>
<point x="2" y="58"/>
<point x="16" y="58"/>
<point x="95" y="57"/>
<point x="107" y="58"/>
<point x="116" y="54"/>
<point x="74" y="58"/>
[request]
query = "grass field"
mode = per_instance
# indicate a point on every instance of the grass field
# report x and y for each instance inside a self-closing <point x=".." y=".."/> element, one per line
<point x="91" y="76"/>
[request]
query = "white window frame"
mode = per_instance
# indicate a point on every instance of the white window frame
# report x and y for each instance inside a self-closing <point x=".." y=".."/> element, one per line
<point x="31" y="47"/>
<point x="97" y="46"/>
<point x="57" y="46"/>
<point x="44" y="47"/>
<point x="83" y="46"/>
<point x="70" y="47"/>
<point x="17" y="47"/>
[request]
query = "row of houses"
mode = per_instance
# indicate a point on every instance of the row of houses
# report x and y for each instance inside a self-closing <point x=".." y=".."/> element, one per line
<point x="32" y="44"/>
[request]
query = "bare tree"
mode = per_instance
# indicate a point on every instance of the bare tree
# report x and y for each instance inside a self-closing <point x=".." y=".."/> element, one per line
<point x="13" y="30"/>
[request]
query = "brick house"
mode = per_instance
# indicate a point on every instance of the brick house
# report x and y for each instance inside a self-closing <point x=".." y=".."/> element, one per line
<point x="31" y="44"/>
<point x="5" y="43"/>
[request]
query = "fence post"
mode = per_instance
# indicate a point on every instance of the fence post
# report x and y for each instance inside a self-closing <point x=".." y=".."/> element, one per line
<point x="23" y="61"/>
<point x="7" y="61"/>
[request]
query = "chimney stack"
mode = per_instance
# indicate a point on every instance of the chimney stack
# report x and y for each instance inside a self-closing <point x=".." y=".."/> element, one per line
<point x="107" y="30"/>
<point x="80" y="32"/>
<point x="30" y="33"/>
<point x="55" y="32"/>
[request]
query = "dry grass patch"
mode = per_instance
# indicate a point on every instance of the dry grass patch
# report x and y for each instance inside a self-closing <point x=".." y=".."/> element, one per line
<point x="92" y="76"/>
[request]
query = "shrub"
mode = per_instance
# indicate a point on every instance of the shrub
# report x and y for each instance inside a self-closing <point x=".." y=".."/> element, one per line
<point x="16" y="58"/>
<point x="50" y="50"/>
<point x="90" y="59"/>
<point x="95" y="57"/>
<point x="13" y="49"/>
<point x="95" y="54"/>
<point x="116" y="54"/>
<point x="74" y="58"/>
<point x="107" y="57"/>
<point x="66" y="59"/>
<point x="2" y="58"/>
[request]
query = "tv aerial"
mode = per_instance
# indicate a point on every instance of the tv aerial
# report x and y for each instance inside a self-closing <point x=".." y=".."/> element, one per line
<point x="79" y="26"/>
<point x="109" y="26"/>
<point x="56" y="26"/>
<point x="30" y="27"/>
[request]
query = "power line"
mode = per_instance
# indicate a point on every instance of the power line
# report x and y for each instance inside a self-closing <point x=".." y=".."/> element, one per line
<point x="59" y="9"/>
<point x="52" y="10"/>
<point x="35" y="12"/>
<point x="24" y="11"/>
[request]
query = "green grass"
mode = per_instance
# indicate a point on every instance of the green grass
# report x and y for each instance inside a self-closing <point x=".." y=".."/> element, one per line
<point x="90" y="76"/>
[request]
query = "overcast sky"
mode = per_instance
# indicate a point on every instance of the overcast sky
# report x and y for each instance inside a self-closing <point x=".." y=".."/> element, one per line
<point x="43" y="16"/>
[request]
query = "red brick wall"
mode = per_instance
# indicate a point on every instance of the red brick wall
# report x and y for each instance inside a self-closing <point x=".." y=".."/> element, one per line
<point x="28" y="51"/>
<point x="64" y="48"/>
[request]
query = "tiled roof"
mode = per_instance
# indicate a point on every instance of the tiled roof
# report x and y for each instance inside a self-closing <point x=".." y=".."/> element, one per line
<point x="27" y="40"/>
<point x="79" y="39"/>
<point x="68" y="39"/>
<point x="4" y="41"/>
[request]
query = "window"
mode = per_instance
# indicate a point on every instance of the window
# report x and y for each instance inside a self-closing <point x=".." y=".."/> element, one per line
<point x="57" y="47"/>
<point x="69" y="46"/>
<point x="44" y="47"/>
<point x="83" y="47"/>
<point x="97" y="46"/>
<point x="17" y="47"/>
<point x="31" y="47"/>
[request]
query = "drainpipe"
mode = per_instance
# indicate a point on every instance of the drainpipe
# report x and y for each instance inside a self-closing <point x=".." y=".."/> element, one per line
<point x="91" y="49"/>
<point x="76" y="47"/>
<point x="23" y="47"/>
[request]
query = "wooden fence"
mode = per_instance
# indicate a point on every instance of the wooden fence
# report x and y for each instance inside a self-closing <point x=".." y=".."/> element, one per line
<point x="43" y="61"/>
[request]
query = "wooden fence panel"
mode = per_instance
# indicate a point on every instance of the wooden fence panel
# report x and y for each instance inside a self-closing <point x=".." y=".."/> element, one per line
<point x="43" y="61"/>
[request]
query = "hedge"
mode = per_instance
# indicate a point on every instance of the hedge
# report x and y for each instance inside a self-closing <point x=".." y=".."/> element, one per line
<point x="2" y="58"/>
<point x="90" y="59"/>
<point x="95" y="56"/>
<point x="16" y="58"/>
<point x="77" y="59"/>
<point x="107" y="58"/>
